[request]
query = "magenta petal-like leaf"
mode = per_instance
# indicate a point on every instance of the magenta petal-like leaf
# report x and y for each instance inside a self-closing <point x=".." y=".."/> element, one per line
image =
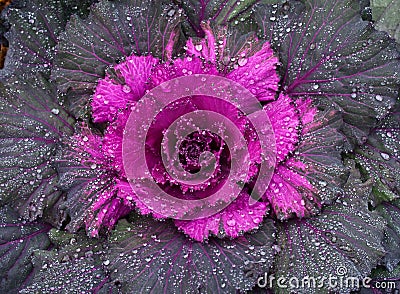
<point x="118" y="92"/>
<point x="285" y="120"/>
<point x="231" y="222"/>
<point x="258" y="73"/>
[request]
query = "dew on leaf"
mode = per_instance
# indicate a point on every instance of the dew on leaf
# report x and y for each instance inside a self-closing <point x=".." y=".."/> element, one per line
<point x="242" y="62"/>
<point x="55" y="111"/>
<point x="385" y="156"/>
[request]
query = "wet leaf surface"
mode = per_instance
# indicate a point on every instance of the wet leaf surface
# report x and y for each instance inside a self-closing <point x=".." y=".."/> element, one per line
<point x="379" y="158"/>
<point x="32" y="123"/>
<point x="330" y="54"/>
<point x="35" y="26"/>
<point x="345" y="240"/>
<point x="112" y="31"/>
<point x="153" y="256"/>
<point x="18" y="240"/>
<point x="73" y="266"/>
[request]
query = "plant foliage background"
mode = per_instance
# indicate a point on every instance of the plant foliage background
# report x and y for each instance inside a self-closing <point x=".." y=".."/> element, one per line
<point x="346" y="60"/>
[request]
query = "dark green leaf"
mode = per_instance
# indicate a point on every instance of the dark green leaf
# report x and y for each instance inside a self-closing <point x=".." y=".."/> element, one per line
<point x="391" y="212"/>
<point x="385" y="13"/>
<point x="383" y="281"/>
<point x="219" y="12"/>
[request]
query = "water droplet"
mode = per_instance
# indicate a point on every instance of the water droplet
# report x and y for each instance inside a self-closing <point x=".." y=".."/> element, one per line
<point x="126" y="89"/>
<point x="171" y="13"/>
<point x="323" y="183"/>
<point x="379" y="98"/>
<point x="276" y="248"/>
<point x="353" y="95"/>
<point x="385" y="156"/>
<point x="231" y="222"/>
<point x="106" y="262"/>
<point x="198" y="47"/>
<point x="242" y="62"/>
<point x="55" y="111"/>
<point x="315" y="87"/>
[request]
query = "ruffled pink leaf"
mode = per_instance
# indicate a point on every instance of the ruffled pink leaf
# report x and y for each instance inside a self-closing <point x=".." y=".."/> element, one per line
<point x="258" y="73"/>
<point x="235" y="219"/>
<point x="112" y="95"/>
<point x="285" y="120"/>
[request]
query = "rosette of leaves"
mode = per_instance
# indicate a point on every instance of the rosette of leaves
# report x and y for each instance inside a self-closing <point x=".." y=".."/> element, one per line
<point x="327" y="52"/>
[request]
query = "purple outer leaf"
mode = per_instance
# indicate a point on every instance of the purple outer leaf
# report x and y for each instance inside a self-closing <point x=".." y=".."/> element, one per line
<point x="150" y="256"/>
<point x="80" y="180"/>
<point x="391" y="241"/>
<point x="32" y="123"/>
<point x="320" y="150"/>
<point x="34" y="33"/>
<point x="113" y="30"/>
<point x="379" y="157"/>
<point x="346" y="235"/>
<point x="330" y="54"/>
<point x="219" y="12"/>
<point x="73" y="266"/>
<point x="18" y="240"/>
